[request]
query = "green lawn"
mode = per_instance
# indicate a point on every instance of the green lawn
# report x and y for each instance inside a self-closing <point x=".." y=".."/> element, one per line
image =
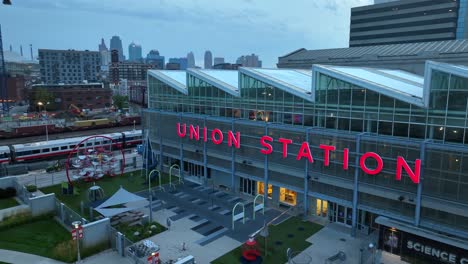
<point x="109" y="184"/>
<point x="7" y="203"/>
<point x="39" y="237"/>
<point x="281" y="232"/>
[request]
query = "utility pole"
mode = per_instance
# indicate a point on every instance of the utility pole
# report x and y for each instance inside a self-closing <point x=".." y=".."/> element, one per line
<point x="3" y="78"/>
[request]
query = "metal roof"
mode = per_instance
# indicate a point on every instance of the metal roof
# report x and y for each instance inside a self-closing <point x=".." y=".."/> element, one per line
<point x="297" y="82"/>
<point x="175" y="79"/>
<point x="390" y="50"/>
<point x="226" y="80"/>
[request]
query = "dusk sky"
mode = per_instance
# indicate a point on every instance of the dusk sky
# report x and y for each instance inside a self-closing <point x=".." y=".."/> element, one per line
<point x="269" y="28"/>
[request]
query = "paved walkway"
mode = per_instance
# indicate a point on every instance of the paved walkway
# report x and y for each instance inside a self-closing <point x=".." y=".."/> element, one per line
<point x="334" y="238"/>
<point x="180" y="231"/>
<point x="16" y="257"/>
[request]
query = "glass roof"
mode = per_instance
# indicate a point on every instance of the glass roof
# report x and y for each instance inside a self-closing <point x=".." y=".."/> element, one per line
<point x="395" y="80"/>
<point x="300" y="80"/>
<point x="226" y="76"/>
<point x="178" y="76"/>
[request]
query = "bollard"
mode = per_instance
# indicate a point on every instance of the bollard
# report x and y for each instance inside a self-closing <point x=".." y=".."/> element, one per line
<point x="91" y="213"/>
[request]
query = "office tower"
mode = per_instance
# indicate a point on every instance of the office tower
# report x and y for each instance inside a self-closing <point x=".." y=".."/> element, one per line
<point x="155" y="59"/>
<point x="249" y="61"/>
<point x="102" y="46"/>
<point x="208" y="60"/>
<point x="116" y="44"/>
<point x="408" y="21"/>
<point x="134" y="52"/>
<point x="190" y="60"/>
<point x="218" y="60"/>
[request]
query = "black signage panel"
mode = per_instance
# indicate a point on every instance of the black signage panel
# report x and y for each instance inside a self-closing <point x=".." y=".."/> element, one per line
<point x="431" y="251"/>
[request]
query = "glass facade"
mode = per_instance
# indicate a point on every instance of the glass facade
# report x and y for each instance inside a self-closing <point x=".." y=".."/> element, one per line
<point x="341" y="112"/>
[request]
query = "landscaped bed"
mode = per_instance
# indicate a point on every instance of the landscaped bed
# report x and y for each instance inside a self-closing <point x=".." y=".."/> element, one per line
<point x="7" y="203"/>
<point x="136" y="233"/>
<point x="130" y="181"/>
<point x="291" y="233"/>
<point x="41" y="236"/>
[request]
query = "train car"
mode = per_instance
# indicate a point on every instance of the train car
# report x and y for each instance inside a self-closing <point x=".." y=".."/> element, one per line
<point x="132" y="138"/>
<point x="62" y="147"/>
<point x="4" y="154"/>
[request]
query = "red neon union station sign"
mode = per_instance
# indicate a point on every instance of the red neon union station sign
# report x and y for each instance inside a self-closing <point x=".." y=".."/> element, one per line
<point x="233" y="140"/>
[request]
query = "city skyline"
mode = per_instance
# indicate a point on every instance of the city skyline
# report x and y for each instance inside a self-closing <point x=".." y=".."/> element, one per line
<point x="226" y="29"/>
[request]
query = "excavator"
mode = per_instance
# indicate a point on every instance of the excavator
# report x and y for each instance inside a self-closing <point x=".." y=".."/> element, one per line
<point x="76" y="110"/>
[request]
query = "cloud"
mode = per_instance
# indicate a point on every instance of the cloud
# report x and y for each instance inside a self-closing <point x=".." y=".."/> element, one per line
<point x="270" y="28"/>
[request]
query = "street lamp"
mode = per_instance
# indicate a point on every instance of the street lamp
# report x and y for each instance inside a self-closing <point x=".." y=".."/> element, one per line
<point x="77" y="225"/>
<point x="372" y="249"/>
<point x="45" y="109"/>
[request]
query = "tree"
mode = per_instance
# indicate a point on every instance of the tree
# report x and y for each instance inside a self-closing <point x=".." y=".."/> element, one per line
<point x="43" y="95"/>
<point x="120" y="101"/>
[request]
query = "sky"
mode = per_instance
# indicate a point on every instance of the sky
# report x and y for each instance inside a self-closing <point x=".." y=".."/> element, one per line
<point x="228" y="28"/>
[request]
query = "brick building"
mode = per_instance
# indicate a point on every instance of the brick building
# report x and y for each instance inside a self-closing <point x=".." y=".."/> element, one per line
<point x="60" y="97"/>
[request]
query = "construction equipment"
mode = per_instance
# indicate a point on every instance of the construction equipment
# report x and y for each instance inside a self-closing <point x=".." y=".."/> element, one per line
<point x="76" y="110"/>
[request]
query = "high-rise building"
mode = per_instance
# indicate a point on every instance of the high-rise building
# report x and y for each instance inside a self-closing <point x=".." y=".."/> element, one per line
<point x="69" y="66"/>
<point x="408" y="21"/>
<point x="133" y="71"/>
<point x="155" y="59"/>
<point x="208" y="60"/>
<point x="249" y="61"/>
<point x="190" y="60"/>
<point x="102" y="46"/>
<point x="410" y="57"/>
<point x="218" y="60"/>
<point x="181" y="61"/>
<point x="116" y="44"/>
<point x="134" y="52"/>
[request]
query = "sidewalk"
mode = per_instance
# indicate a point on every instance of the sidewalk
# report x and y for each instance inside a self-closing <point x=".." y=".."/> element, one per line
<point x="16" y="257"/>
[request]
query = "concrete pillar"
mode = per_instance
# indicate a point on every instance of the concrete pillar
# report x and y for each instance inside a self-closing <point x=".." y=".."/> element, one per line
<point x="275" y="195"/>
<point x="422" y="155"/>
<point x="233" y="164"/>
<point x="265" y="172"/>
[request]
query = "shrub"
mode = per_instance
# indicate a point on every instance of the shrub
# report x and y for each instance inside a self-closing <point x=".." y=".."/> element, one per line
<point x="31" y="188"/>
<point x="21" y="219"/>
<point x="65" y="251"/>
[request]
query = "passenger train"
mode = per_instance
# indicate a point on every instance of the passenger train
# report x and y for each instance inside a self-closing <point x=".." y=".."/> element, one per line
<point x="62" y="147"/>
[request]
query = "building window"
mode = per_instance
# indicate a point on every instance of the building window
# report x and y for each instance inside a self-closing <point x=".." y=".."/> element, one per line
<point x="288" y="196"/>
<point x="260" y="189"/>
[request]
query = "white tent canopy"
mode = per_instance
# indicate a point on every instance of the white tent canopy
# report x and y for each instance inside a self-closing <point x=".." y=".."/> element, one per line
<point x="126" y="201"/>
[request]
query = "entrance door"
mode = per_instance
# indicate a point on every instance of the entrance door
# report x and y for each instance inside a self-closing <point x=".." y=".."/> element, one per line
<point x="247" y="186"/>
<point x="340" y="214"/>
<point x="340" y="217"/>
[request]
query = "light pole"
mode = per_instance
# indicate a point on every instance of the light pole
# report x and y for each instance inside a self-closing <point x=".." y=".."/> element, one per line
<point x="77" y="225"/>
<point x="46" y="127"/>
<point x="372" y="249"/>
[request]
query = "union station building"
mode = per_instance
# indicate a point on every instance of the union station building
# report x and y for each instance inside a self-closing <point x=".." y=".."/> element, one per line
<point x="376" y="150"/>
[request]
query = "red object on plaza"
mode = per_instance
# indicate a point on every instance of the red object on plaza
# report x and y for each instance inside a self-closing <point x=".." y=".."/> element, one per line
<point x="78" y="231"/>
<point x="154" y="259"/>
<point x="250" y="250"/>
